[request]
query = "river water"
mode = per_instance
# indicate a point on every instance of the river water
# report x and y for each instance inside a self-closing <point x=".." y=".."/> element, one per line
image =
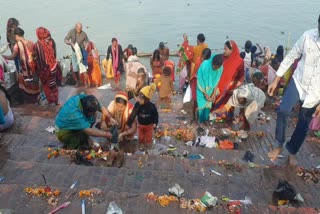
<point x="144" y="23"/>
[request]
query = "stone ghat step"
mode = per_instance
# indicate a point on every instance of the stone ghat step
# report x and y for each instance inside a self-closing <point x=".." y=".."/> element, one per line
<point x="13" y="198"/>
<point x="34" y="147"/>
<point x="158" y="175"/>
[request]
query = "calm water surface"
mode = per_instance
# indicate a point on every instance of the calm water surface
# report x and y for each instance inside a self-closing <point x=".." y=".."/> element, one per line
<point x="144" y="23"/>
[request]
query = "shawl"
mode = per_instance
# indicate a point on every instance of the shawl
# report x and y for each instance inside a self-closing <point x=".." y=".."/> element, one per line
<point x="71" y="116"/>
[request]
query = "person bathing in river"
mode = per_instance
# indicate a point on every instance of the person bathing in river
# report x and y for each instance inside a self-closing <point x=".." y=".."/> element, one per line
<point x="164" y="52"/>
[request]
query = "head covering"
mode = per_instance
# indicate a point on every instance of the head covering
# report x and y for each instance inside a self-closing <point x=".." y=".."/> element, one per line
<point x="43" y="33"/>
<point x="148" y="90"/>
<point x="45" y="47"/>
<point x="121" y="94"/>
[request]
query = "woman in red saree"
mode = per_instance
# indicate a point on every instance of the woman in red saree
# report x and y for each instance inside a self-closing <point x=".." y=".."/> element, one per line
<point x="94" y="71"/>
<point x="25" y="50"/>
<point x="47" y="66"/>
<point x="232" y="75"/>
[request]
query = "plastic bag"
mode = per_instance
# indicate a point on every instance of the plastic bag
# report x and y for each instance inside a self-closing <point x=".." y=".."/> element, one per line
<point x="182" y="77"/>
<point x="188" y="95"/>
<point x="113" y="208"/>
<point x="314" y="124"/>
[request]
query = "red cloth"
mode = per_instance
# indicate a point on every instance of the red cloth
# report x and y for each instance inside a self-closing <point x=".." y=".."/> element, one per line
<point x="186" y="54"/>
<point x="145" y="134"/>
<point x="47" y="66"/>
<point x="233" y="72"/>
<point x="48" y="46"/>
<point x="170" y="64"/>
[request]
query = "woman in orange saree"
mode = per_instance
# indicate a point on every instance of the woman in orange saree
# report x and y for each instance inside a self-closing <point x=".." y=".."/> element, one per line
<point x="232" y="75"/>
<point x="94" y="70"/>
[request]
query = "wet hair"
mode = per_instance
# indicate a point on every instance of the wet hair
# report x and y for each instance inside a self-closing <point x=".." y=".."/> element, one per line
<point x="156" y="55"/>
<point x="18" y="31"/>
<point x="130" y="46"/>
<point x="228" y="44"/>
<point x="247" y="46"/>
<point x="275" y="63"/>
<point x="206" y="53"/>
<point x="280" y="53"/>
<point x="141" y="70"/>
<point x="257" y="76"/>
<point x="161" y="45"/>
<point x="12" y="22"/>
<point x="217" y="60"/>
<point x="114" y="40"/>
<point x="89" y="104"/>
<point x="134" y="51"/>
<point x="201" y="38"/>
<point x="121" y="100"/>
<point x="5" y="92"/>
<point x="167" y="71"/>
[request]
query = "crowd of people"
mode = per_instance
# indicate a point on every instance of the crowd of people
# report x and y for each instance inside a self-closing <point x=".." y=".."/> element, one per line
<point x="219" y="84"/>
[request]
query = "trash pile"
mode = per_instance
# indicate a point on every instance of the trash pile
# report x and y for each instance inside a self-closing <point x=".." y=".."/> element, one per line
<point x="184" y="134"/>
<point x="45" y="193"/>
<point x="231" y="166"/>
<point x="308" y="175"/>
<point x="176" y="196"/>
<point x="285" y="194"/>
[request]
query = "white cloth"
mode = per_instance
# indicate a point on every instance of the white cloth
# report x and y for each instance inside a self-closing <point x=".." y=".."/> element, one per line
<point x="8" y="119"/>
<point x="133" y="58"/>
<point x="307" y="74"/>
<point x="247" y="60"/>
<point x="78" y="52"/>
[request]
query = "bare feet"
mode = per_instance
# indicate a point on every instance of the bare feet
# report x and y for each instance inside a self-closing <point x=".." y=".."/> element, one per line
<point x="273" y="155"/>
<point x="293" y="160"/>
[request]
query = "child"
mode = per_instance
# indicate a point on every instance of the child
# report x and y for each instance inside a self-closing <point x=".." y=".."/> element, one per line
<point x="166" y="86"/>
<point x="141" y="82"/>
<point x="147" y="114"/>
